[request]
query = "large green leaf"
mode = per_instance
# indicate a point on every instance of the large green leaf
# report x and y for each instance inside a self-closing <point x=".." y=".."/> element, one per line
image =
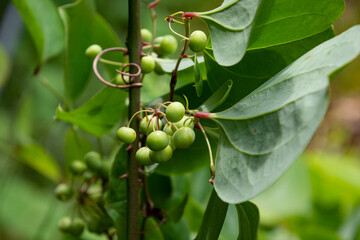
<point x="44" y="24"/>
<point x="168" y="65"/>
<point x="265" y="132"/>
<point x="230" y="26"/>
<point x="280" y="22"/>
<point x="258" y="66"/>
<point x="213" y="219"/>
<point x="116" y="198"/>
<point x="98" y="115"/>
<point x="83" y="27"/>
<point x="248" y="216"/>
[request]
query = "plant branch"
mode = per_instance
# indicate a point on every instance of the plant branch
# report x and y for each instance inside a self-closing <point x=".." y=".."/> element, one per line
<point x="174" y="72"/>
<point x="134" y="44"/>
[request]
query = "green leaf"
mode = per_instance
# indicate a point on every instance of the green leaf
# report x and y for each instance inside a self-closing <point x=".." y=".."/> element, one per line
<point x="116" y="198"/>
<point x="4" y="66"/>
<point x="44" y="24"/>
<point x="198" y="78"/>
<point x="280" y="22"/>
<point x="248" y="216"/>
<point x="180" y="163"/>
<point x="266" y="131"/>
<point x="154" y="231"/>
<point x="213" y="219"/>
<point x="172" y="196"/>
<point x="217" y="98"/>
<point x="83" y="27"/>
<point x="98" y="115"/>
<point x="258" y="66"/>
<point x="175" y="231"/>
<point x="168" y="65"/>
<point x="35" y="157"/>
<point x="230" y="34"/>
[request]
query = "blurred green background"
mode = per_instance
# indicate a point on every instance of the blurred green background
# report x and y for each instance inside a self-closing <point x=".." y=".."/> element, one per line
<point x="318" y="197"/>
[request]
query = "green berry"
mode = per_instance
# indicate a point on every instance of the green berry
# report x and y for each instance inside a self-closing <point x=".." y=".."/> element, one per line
<point x="147" y="64"/>
<point x="77" y="227"/>
<point x="197" y="41"/>
<point x="120" y="81"/>
<point x="105" y="169"/>
<point x="145" y="122"/>
<point x="183" y="137"/>
<point x="168" y="45"/>
<point x="183" y="123"/>
<point x="77" y="167"/>
<point x="93" y="160"/>
<point x="146" y="35"/>
<point x="63" y="191"/>
<point x="126" y="134"/>
<point x="157" y="140"/>
<point x="162" y="155"/>
<point x="88" y="175"/>
<point x="64" y="224"/>
<point x="143" y="157"/>
<point x="168" y="130"/>
<point x="175" y="111"/>
<point x="93" y="50"/>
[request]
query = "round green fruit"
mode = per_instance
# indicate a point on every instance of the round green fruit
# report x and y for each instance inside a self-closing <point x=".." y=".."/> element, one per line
<point x="184" y="122"/>
<point x="175" y="111"/>
<point x="63" y="191"/>
<point x="157" y="140"/>
<point x="145" y="122"/>
<point x="143" y="157"/>
<point x="105" y="169"/>
<point x="158" y="69"/>
<point x="167" y="45"/>
<point x="197" y="41"/>
<point x="77" y="167"/>
<point x="183" y="137"/>
<point x="77" y="227"/>
<point x="93" y="50"/>
<point x="88" y="175"/>
<point x="93" y="160"/>
<point x="120" y="81"/>
<point x="64" y="224"/>
<point x="168" y="130"/>
<point x="146" y="35"/>
<point x="147" y="64"/>
<point x="162" y="155"/>
<point x="126" y="134"/>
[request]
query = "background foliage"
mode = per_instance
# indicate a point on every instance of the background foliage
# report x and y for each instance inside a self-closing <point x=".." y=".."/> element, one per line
<point x="317" y="198"/>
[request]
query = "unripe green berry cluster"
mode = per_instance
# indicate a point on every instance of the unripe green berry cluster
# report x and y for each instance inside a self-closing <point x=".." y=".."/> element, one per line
<point x="161" y="141"/>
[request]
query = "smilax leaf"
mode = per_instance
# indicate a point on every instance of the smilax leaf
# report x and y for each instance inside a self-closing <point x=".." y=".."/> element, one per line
<point x="230" y="26"/>
<point x="266" y="131"/>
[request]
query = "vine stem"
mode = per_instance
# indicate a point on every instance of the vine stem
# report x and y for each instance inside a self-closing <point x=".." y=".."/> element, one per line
<point x="174" y="72"/>
<point x="212" y="165"/>
<point x="134" y="44"/>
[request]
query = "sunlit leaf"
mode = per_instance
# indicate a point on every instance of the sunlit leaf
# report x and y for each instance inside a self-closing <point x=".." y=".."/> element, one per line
<point x="168" y="65"/>
<point x="217" y="98"/>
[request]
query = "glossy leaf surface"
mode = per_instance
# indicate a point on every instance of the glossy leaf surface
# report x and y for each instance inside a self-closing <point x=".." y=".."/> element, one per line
<point x="266" y="131"/>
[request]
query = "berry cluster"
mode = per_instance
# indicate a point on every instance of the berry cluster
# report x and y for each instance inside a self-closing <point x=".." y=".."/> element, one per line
<point x="161" y="141"/>
<point x="88" y="188"/>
